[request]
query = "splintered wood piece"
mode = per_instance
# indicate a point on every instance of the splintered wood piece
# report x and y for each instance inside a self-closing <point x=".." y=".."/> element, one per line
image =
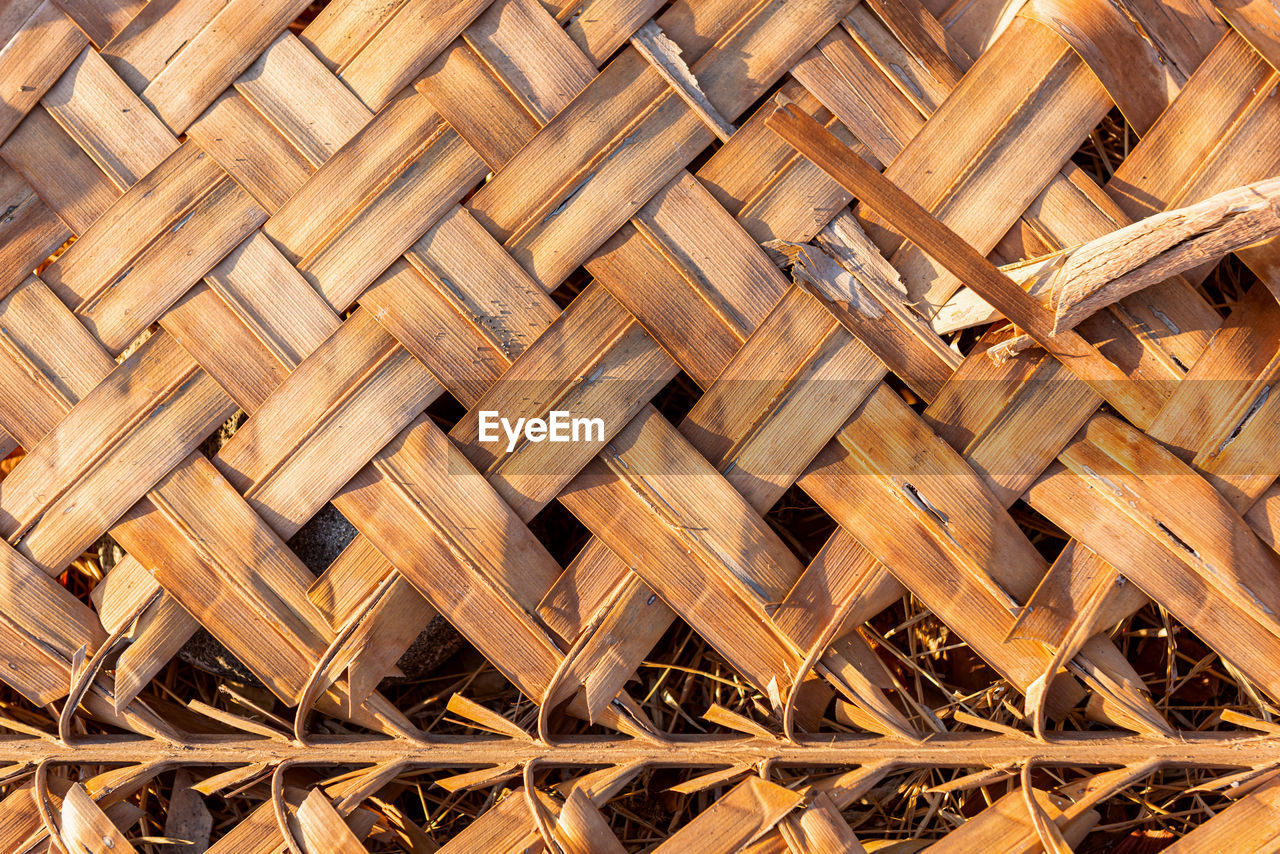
<point x="1137" y="400"/>
<point x="1151" y="250"/>
<point x="664" y="54"/>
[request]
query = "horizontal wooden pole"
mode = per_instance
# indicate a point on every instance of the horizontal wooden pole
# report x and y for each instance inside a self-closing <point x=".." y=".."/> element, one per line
<point x="956" y="750"/>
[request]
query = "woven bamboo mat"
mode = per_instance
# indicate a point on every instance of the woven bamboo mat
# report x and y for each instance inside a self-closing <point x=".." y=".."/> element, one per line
<point x="350" y="220"/>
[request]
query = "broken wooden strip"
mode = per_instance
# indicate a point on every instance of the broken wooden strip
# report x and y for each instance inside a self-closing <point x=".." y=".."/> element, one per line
<point x="1136" y="399"/>
<point x="1152" y="250"/>
<point x="943" y="531"/>
<point x="848" y="274"/>
<point x="664" y="55"/>
<point x="1151" y="561"/>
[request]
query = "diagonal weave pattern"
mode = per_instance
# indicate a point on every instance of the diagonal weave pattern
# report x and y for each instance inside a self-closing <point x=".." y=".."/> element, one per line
<point x="332" y="227"/>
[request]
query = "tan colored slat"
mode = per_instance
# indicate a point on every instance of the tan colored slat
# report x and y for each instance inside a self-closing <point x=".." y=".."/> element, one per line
<point x="390" y="183"/>
<point x="700" y="267"/>
<point x="748" y="811"/>
<point x="800" y="367"/>
<point x="78" y="191"/>
<point x="250" y="150"/>
<point x="72" y="484"/>
<point x="820" y="828"/>
<point x="87" y="828"/>
<point x="118" y="131"/>
<point x="1007" y="825"/>
<point x="477" y="563"/>
<point x="1232" y="81"/>
<point x="203" y="67"/>
<point x="154" y="238"/>
<point x="323" y="829"/>
<point x="705" y="551"/>
<point x="40" y="42"/>
<point x="1135" y="74"/>
<point x="1249" y="825"/>
<point x="594" y="361"/>
<point x="43" y="381"/>
<point x="250" y="321"/>
<point x="359" y="385"/>
<point x="43" y="625"/>
<point x="298" y="95"/>
<point x="1159" y="571"/>
<point x="772" y="190"/>
<point x="31" y="231"/>
<point x="947" y="543"/>
<point x="404" y="45"/>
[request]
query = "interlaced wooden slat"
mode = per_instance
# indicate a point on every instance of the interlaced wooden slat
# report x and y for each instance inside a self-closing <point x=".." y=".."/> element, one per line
<point x="811" y="214"/>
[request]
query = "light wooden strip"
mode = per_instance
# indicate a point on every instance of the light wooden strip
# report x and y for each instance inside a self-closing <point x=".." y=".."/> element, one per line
<point x="108" y="121"/>
<point x="950" y="544"/>
<point x="354" y="393"/>
<point x="402" y="47"/>
<point x="29" y="233"/>
<point x="171" y="406"/>
<point x="1249" y="825"/>
<point x="250" y="150"/>
<point x="704" y="550"/>
<point x="595" y="361"/>
<point x="160" y="237"/>
<point x="203" y="67"/>
<point x="302" y="100"/>
<point x="78" y="191"/>
<point x="751" y="809"/>
<point x="477" y="563"/>
<point x="44" y="626"/>
<point x="43" y="41"/>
